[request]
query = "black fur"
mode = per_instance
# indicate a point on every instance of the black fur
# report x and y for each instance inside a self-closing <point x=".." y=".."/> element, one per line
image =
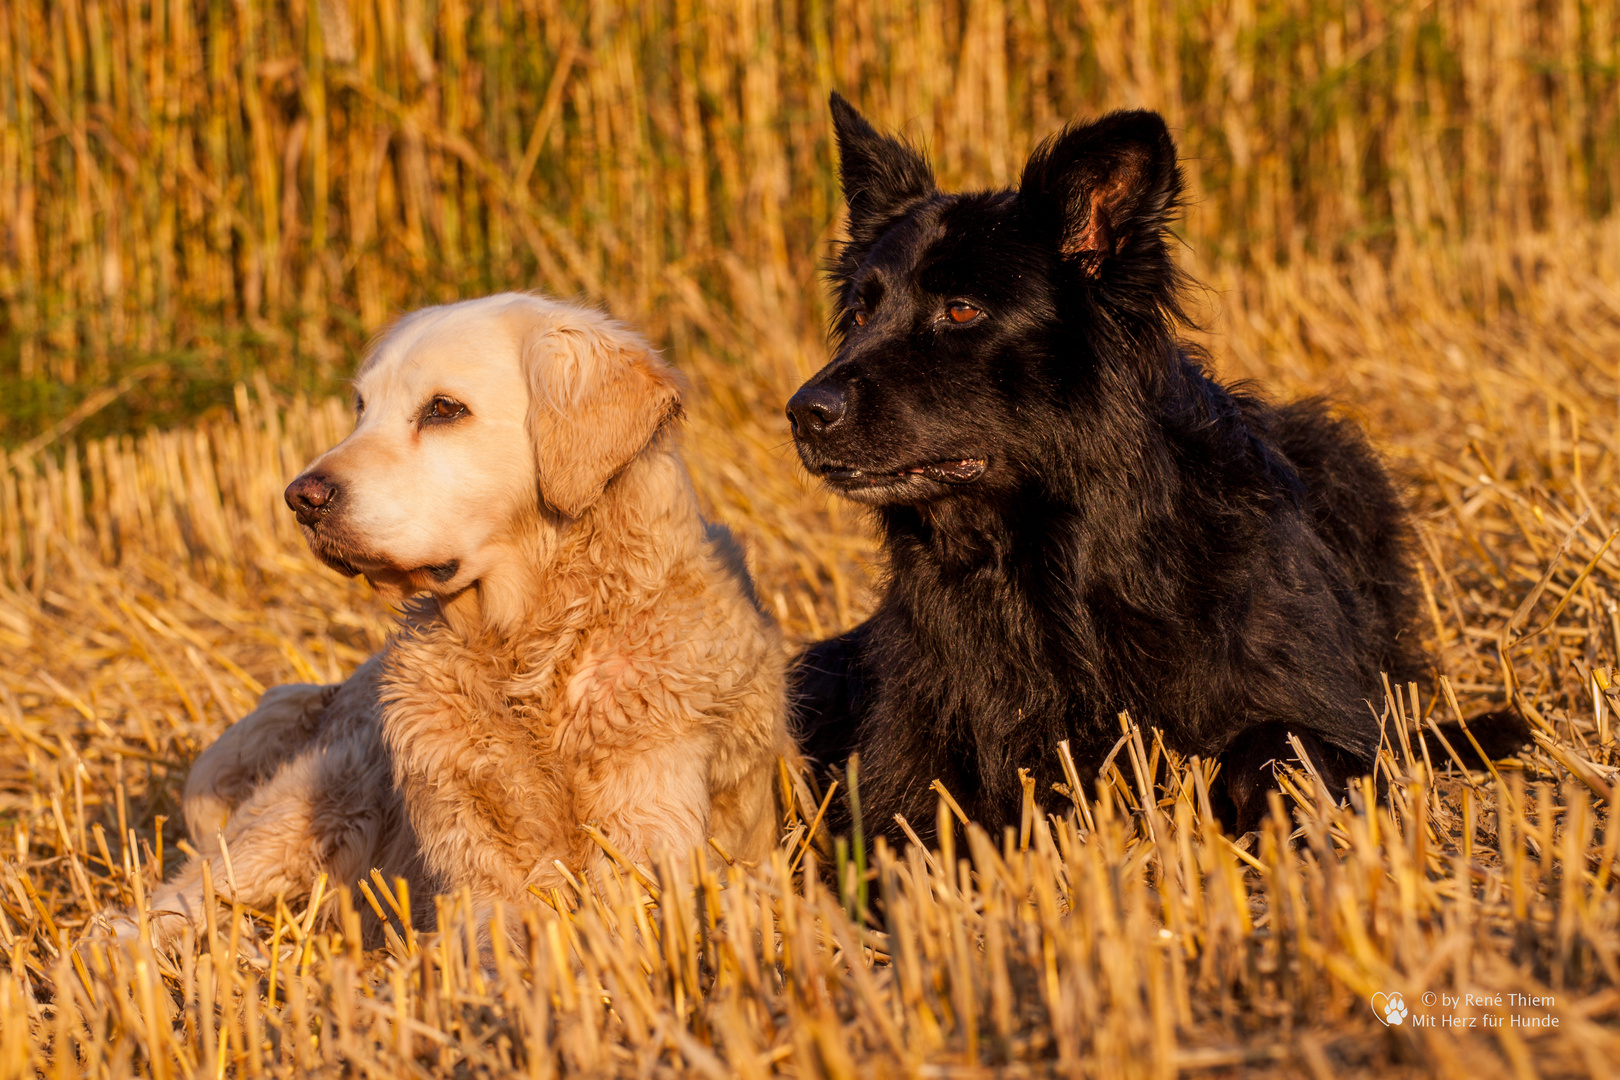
<point x="1079" y="520"/>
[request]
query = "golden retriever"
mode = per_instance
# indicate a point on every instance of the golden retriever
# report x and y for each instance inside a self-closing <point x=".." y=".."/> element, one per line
<point x="582" y="647"/>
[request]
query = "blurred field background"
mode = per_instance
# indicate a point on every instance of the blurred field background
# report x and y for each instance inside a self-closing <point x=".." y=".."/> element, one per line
<point x="206" y="208"/>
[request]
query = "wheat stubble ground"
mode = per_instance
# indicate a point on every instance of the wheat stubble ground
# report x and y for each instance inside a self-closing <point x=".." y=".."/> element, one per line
<point x="1409" y="211"/>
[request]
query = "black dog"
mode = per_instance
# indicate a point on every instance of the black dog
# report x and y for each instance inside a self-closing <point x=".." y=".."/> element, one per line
<point x="1079" y="519"/>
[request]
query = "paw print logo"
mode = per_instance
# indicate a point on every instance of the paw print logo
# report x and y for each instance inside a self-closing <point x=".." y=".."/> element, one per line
<point x="1390" y="1009"/>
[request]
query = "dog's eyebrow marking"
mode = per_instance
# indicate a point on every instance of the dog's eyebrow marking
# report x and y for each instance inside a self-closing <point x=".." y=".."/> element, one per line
<point x="871" y="291"/>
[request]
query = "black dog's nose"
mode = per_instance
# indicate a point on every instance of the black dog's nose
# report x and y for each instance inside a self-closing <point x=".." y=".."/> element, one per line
<point x="310" y="496"/>
<point x="814" y="409"/>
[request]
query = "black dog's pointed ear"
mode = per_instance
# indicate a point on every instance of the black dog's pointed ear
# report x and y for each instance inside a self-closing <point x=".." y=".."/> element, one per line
<point x="1109" y="188"/>
<point x="879" y="174"/>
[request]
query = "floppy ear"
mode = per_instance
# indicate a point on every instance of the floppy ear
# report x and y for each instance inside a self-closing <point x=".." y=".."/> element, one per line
<point x="597" y="397"/>
<point x="1107" y="189"/>
<point x="879" y="174"/>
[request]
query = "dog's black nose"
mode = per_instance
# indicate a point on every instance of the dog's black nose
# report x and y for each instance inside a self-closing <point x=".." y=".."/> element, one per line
<point x="310" y="497"/>
<point x="814" y="409"/>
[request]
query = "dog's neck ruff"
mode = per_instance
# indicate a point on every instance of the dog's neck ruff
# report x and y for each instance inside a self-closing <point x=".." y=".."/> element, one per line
<point x="611" y="576"/>
<point x="565" y="576"/>
<point x="1032" y="579"/>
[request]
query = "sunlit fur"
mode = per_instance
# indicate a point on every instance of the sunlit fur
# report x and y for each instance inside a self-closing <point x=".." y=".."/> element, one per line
<point x="597" y="656"/>
<point x="1142" y="537"/>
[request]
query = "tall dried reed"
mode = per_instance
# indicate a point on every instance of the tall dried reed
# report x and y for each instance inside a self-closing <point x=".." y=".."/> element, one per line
<point x="221" y="177"/>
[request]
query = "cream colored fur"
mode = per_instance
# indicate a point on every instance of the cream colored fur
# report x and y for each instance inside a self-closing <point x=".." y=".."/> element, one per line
<point x="592" y="654"/>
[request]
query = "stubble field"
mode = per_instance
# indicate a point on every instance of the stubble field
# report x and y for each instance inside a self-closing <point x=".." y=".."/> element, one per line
<point x="207" y="208"/>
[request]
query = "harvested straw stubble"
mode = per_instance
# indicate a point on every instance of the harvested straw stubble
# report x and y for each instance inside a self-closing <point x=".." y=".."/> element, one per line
<point x="152" y="587"/>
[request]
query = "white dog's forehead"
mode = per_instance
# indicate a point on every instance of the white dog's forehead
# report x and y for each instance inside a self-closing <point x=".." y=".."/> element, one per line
<point x="463" y="350"/>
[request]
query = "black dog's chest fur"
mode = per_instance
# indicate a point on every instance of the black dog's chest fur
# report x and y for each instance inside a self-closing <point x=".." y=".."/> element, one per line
<point x="1079" y="520"/>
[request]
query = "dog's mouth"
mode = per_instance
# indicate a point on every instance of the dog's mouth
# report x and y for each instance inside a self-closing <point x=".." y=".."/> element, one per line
<point x="886" y="484"/>
<point x="349" y="561"/>
<point x="329" y="552"/>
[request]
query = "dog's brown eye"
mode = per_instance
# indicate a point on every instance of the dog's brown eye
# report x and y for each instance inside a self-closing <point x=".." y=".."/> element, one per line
<point x="963" y="313"/>
<point x="441" y="409"/>
<point x="860" y="318"/>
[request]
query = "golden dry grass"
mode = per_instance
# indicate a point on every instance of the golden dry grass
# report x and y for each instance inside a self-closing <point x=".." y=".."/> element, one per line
<point x="151" y="585"/>
<point x="144" y="608"/>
